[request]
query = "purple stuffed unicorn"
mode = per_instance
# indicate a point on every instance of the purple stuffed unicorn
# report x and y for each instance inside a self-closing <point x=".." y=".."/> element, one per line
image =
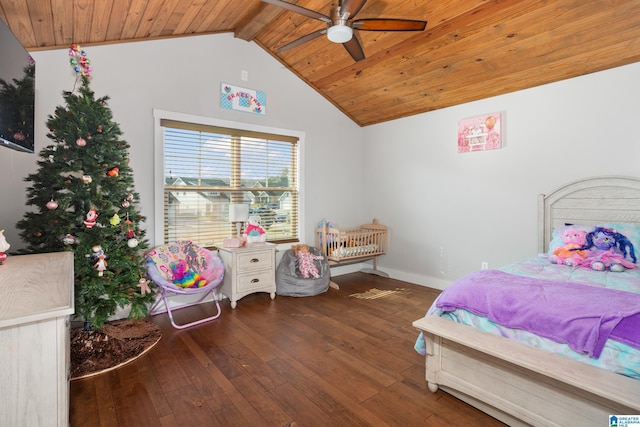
<point x="607" y="248"/>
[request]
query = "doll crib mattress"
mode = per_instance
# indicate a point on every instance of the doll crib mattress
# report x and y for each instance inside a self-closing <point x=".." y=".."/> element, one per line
<point x="615" y="355"/>
<point x="354" y="251"/>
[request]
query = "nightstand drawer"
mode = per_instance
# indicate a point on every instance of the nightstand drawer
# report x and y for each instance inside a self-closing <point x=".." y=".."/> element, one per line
<point x="257" y="280"/>
<point x="254" y="261"/>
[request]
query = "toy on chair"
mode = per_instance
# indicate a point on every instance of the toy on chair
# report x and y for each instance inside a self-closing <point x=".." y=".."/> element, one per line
<point x="184" y="268"/>
<point x="184" y="277"/>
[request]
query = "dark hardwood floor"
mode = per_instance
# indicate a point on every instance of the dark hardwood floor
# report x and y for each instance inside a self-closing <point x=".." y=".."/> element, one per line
<point x="332" y="359"/>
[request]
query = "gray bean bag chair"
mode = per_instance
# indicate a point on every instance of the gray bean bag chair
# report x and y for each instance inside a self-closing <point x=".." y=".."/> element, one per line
<point x="289" y="281"/>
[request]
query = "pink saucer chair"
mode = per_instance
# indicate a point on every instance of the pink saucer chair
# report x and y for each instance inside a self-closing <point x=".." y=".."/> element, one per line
<point x="184" y="268"/>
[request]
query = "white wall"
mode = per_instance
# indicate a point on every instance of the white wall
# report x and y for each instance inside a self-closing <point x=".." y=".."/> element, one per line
<point x="183" y="75"/>
<point x="448" y="212"/>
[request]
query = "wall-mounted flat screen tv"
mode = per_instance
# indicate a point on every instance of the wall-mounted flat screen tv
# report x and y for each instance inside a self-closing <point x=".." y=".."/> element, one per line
<point x="17" y="95"/>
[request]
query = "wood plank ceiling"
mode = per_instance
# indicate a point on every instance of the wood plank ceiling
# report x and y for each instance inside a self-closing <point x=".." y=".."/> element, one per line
<point x="471" y="49"/>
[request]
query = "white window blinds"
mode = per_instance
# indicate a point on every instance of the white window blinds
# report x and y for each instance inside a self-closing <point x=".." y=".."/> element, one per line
<point x="207" y="168"/>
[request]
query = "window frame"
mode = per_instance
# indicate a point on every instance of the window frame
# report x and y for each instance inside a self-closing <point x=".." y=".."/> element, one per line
<point x="159" y="179"/>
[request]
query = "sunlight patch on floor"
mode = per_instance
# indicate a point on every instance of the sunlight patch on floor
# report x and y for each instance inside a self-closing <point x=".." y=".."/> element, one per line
<point x="376" y="293"/>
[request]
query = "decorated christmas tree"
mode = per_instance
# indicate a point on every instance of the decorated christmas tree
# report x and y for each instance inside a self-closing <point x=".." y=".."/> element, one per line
<point x="16" y="105"/>
<point x="85" y="202"/>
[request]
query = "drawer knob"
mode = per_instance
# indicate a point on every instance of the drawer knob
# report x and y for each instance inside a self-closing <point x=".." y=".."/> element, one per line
<point x="255" y="280"/>
<point x="254" y="260"/>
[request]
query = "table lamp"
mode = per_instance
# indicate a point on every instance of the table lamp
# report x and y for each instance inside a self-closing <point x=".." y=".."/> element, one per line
<point x="238" y="213"/>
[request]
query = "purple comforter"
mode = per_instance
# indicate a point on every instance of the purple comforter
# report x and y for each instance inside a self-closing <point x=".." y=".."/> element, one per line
<point x="583" y="317"/>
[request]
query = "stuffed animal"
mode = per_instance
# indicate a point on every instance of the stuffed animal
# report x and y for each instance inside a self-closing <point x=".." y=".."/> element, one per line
<point x="253" y="231"/>
<point x="607" y="248"/>
<point x="326" y="226"/>
<point x="569" y="253"/>
<point x="184" y="277"/>
<point x="4" y="247"/>
<point x="305" y="261"/>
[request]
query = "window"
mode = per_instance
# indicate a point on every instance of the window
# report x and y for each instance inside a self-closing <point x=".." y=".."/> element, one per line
<point x="208" y="167"/>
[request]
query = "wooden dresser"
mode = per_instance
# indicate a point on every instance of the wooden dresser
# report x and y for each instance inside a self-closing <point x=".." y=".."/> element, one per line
<point x="36" y="300"/>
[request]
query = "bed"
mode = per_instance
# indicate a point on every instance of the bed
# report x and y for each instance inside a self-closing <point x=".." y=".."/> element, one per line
<point x="526" y="384"/>
<point x="354" y="244"/>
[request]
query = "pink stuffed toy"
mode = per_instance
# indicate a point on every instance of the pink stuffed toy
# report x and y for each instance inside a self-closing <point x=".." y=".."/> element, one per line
<point x="568" y="254"/>
<point x="305" y="261"/>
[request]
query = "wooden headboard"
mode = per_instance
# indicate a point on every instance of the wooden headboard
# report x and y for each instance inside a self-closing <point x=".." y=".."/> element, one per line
<point x="590" y="201"/>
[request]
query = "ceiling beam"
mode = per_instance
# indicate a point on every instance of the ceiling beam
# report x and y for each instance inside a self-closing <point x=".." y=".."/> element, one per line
<point x="255" y="21"/>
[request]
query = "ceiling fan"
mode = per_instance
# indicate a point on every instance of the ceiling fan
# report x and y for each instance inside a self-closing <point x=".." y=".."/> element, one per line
<point x="340" y="25"/>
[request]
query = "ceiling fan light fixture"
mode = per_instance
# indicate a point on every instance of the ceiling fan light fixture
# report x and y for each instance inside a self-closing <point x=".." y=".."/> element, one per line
<point x="339" y="33"/>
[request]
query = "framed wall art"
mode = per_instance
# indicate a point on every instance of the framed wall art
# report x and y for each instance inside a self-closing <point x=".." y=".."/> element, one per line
<point x="480" y="133"/>
<point x="242" y="99"/>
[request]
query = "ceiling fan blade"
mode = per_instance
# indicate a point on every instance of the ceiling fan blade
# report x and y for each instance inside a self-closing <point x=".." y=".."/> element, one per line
<point x="299" y="9"/>
<point x="354" y="48"/>
<point x="351" y="8"/>
<point x="389" y="24"/>
<point x="303" y="39"/>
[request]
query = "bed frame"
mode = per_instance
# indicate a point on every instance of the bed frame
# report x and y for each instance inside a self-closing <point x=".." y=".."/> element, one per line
<point x="356" y="244"/>
<point x="521" y="385"/>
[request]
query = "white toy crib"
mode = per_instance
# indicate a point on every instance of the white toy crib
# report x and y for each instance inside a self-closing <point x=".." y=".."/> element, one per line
<point x="347" y="245"/>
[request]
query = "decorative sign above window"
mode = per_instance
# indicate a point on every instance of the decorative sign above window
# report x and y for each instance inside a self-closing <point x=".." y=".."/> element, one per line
<point x="241" y="99"/>
<point x="480" y="133"/>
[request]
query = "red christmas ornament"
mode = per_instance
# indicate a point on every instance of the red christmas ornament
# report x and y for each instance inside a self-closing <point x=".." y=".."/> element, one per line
<point x="80" y="142"/>
<point x="113" y="171"/>
<point x="52" y="204"/>
<point x="130" y="233"/>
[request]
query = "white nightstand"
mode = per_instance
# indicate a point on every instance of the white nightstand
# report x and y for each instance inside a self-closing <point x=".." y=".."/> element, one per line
<point x="248" y="270"/>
